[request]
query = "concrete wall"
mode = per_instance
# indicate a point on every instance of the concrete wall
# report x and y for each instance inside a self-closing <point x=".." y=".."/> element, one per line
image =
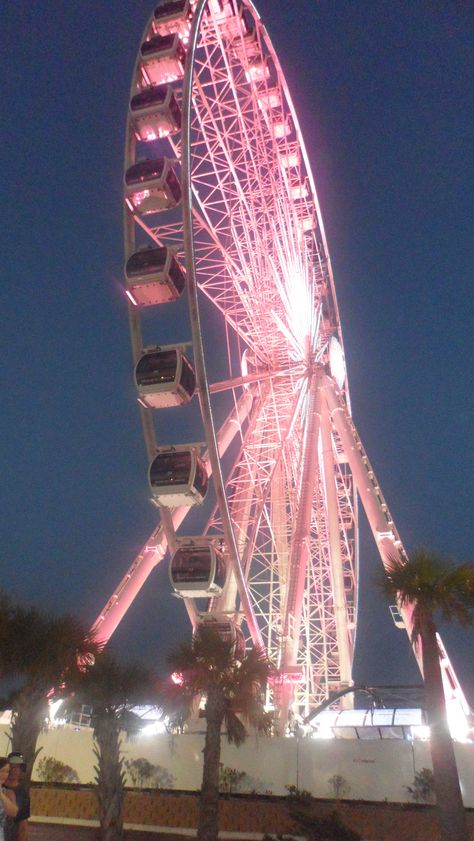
<point x="374" y="770"/>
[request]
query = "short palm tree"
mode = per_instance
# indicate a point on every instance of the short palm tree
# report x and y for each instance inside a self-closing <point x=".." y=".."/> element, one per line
<point x="428" y="584"/>
<point x="41" y="650"/>
<point x="233" y="691"/>
<point x="112" y="690"/>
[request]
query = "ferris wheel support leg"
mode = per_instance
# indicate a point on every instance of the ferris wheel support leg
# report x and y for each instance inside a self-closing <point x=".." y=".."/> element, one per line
<point x="385" y="532"/>
<point x="155" y="548"/>
<point x="299" y="553"/>
<point x="334" y="527"/>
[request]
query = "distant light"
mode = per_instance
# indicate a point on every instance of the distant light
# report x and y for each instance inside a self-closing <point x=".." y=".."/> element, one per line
<point x="457" y="720"/>
<point x="323" y="733"/>
<point x="153" y="729"/>
<point x="337" y="363"/>
<point x="420" y="732"/>
<point x="177" y="678"/>
<point x="132" y="299"/>
<point x="53" y="709"/>
<point x="140" y="197"/>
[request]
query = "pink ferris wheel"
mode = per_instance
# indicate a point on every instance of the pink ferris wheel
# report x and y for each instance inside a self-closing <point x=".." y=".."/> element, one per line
<point x="239" y="361"/>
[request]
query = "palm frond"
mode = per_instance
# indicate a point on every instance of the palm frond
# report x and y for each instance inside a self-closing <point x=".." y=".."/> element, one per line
<point x="431" y="584"/>
<point x="208" y="665"/>
<point x="107" y="685"/>
<point x="236" y="732"/>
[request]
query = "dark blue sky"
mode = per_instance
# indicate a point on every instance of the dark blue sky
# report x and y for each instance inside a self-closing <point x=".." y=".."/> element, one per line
<point x="385" y="96"/>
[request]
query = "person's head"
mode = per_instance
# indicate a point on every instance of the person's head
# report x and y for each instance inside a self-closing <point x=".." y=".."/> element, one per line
<point x="17" y="767"/>
<point x="4" y="769"/>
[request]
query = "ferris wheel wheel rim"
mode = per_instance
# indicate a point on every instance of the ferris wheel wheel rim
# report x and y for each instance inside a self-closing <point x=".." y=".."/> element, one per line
<point x="198" y="349"/>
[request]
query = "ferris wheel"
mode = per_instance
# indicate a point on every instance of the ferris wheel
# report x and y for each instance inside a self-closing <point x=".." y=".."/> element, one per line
<point x="238" y="353"/>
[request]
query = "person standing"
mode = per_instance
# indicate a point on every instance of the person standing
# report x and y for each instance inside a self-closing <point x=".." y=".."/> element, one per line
<point x="18" y="828"/>
<point x="8" y="807"/>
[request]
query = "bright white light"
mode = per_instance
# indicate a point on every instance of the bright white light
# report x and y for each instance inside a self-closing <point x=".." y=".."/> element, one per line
<point x="323" y="733"/>
<point x="336" y="361"/>
<point x="53" y="709"/>
<point x="297" y="292"/>
<point x="420" y="732"/>
<point x="457" y="721"/>
<point x="130" y="296"/>
<point x="153" y="729"/>
<point x="140" y="197"/>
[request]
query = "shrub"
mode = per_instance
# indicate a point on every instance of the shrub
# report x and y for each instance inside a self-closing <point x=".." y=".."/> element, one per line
<point x="304" y="812"/>
<point x="338" y="786"/>
<point x="329" y="828"/>
<point x="143" y="773"/>
<point x="52" y="770"/>
<point x="229" y="778"/>
<point x="299" y="796"/>
<point x="422" y="790"/>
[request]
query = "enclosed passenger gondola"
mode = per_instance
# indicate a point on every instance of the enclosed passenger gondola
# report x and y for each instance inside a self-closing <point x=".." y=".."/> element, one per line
<point x="178" y="476"/>
<point x="228" y="631"/>
<point x="151" y="186"/>
<point x="155" y="113"/>
<point x="198" y="568"/>
<point x="162" y="59"/>
<point x="269" y="99"/>
<point x="258" y="70"/>
<point x="173" y="16"/>
<point x="164" y="377"/>
<point x="154" y="276"/>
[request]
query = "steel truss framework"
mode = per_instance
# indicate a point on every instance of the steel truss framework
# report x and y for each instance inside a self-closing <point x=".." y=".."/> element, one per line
<point x="287" y="462"/>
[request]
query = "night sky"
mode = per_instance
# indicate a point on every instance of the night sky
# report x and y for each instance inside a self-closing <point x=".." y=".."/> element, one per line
<point x="384" y="92"/>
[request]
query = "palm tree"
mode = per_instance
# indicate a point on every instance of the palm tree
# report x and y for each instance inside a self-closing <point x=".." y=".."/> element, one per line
<point x="41" y="650"/>
<point x="430" y="586"/>
<point x="233" y="690"/>
<point x="112" y="690"/>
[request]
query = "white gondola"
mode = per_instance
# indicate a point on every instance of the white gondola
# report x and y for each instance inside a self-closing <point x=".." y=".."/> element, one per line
<point x="162" y="59"/>
<point x="300" y="190"/>
<point x="269" y="99"/>
<point x="198" y="568"/>
<point x="164" y="377"/>
<point x="155" y="113"/>
<point x="177" y="476"/>
<point x="228" y="631"/>
<point x="173" y="16"/>
<point x="152" y="186"/>
<point x="243" y="35"/>
<point x="281" y="127"/>
<point x="154" y="276"/>
<point x="258" y="70"/>
<point x="290" y="157"/>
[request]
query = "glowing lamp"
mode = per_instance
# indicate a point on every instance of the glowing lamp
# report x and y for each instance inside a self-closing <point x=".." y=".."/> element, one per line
<point x="177" y="678"/>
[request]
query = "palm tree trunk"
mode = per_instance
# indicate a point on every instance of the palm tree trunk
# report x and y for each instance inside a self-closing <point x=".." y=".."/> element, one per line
<point x="208" y="824"/>
<point x="451" y="810"/>
<point x="109" y="777"/>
